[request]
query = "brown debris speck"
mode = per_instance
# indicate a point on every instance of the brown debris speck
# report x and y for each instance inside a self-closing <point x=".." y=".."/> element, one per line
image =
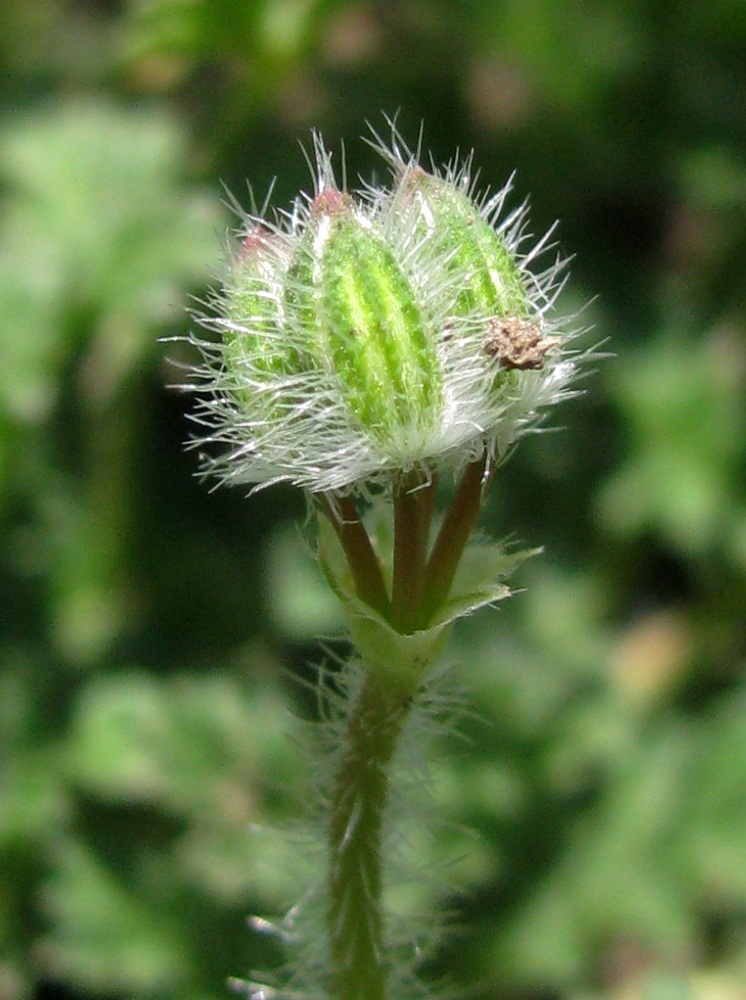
<point x="518" y="343"/>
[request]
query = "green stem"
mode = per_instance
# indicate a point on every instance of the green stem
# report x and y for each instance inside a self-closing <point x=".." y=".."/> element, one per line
<point x="361" y="557"/>
<point x="358" y="963"/>
<point x="452" y="539"/>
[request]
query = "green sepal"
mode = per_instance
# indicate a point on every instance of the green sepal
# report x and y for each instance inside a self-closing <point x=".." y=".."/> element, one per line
<point x="404" y="659"/>
<point x="479" y="580"/>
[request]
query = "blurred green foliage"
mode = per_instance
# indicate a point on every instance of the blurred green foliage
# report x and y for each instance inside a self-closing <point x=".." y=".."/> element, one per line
<point x="151" y="630"/>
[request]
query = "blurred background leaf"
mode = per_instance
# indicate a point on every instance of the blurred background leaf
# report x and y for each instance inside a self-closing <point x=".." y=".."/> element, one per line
<point x="155" y="636"/>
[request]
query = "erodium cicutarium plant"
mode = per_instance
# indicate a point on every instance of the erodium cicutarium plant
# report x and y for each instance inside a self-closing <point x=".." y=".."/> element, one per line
<point x="366" y="346"/>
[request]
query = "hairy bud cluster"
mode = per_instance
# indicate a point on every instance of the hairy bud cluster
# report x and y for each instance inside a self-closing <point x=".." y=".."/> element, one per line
<point x="362" y="335"/>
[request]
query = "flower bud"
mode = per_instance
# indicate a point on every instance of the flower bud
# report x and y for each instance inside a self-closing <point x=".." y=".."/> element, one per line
<point x="252" y="333"/>
<point x="491" y="288"/>
<point x="347" y="290"/>
<point x="490" y="282"/>
<point x="366" y="336"/>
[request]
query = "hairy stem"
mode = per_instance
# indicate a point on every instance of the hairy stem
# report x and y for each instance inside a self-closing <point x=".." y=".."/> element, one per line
<point x="359" y="967"/>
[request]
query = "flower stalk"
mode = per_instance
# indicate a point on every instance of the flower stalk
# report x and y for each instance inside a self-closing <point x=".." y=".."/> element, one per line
<point x="453" y="536"/>
<point x="412" y="506"/>
<point x="362" y="560"/>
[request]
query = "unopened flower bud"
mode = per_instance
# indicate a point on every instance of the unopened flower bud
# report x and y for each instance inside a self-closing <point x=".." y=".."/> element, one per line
<point x="347" y="291"/>
<point x="366" y="336"/>
<point x="490" y="282"/>
<point x="252" y="331"/>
